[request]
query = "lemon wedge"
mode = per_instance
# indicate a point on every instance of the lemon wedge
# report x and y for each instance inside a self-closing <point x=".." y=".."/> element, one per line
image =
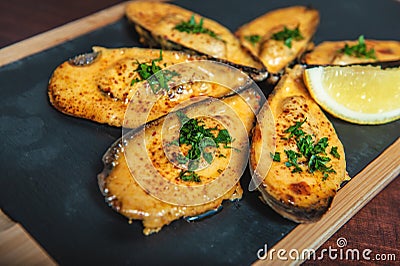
<point x="357" y="94"/>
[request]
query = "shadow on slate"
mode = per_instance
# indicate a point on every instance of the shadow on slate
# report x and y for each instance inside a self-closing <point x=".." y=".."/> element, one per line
<point x="49" y="161"/>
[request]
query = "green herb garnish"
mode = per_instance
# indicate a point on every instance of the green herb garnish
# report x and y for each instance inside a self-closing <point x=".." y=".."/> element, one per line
<point x="194" y="134"/>
<point x="160" y="79"/>
<point x="287" y="36"/>
<point x="275" y="157"/>
<point x="189" y="176"/>
<point x="359" y="50"/>
<point x="193" y="165"/>
<point x="311" y="151"/>
<point x="294" y="130"/>
<point x="192" y="26"/>
<point x="318" y="163"/>
<point x="321" y="146"/>
<point x="223" y="137"/>
<point x="253" y="39"/>
<point x="292" y="160"/>
<point x="334" y="152"/>
<point x="145" y="71"/>
<point x="182" y="159"/>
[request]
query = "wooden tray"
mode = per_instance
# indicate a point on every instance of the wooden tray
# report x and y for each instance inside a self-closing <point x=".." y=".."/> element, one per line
<point x="55" y="46"/>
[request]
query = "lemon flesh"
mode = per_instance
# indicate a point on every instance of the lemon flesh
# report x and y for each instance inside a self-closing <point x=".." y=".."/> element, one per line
<point x="358" y="94"/>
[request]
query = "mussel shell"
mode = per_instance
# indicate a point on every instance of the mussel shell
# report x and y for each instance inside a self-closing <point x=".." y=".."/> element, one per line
<point x="382" y="64"/>
<point x="274" y="54"/>
<point x="327" y="54"/>
<point x="301" y="197"/>
<point x="143" y="23"/>
<point x="84" y="59"/>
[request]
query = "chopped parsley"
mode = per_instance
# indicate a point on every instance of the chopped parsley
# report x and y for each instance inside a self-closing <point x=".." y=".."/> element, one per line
<point x="276" y="157"/>
<point x="359" y="50"/>
<point x="321" y="145"/>
<point x="174" y="142"/>
<point x="182" y="159"/>
<point x="194" y="134"/>
<point x="305" y="145"/>
<point x="313" y="152"/>
<point x="292" y="160"/>
<point x="189" y="176"/>
<point x="334" y="152"/>
<point x="223" y="137"/>
<point x="253" y="39"/>
<point x="145" y="71"/>
<point x="318" y="163"/>
<point x="192" y="26"/>
<point x="287" y="36"/>
<point x="294" y="130"/>
<point x="160" y="79"/>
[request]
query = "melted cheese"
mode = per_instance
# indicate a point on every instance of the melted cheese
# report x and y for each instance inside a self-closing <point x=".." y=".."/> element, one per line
<point x="309" y="194"/>
<point x="327" y="53"/>
<point x="274" y="54"/>
<point x="102" y="90"/>
<point x="129" y="198"/>
<point x="160" y="19"/>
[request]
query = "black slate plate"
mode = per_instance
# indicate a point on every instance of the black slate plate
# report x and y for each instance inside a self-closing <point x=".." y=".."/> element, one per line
<point x="49" y="161"/>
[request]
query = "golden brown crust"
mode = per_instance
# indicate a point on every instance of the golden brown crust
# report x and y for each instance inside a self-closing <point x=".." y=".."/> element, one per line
<point x="68" y="94"/>
<point x="101" y="90"/>
<point x="274" y="54"/>
<point x="156" y="23"/>
<point x="127" y="197"/>
<point x="327" y="53"/>
<point x="303" y="196"/>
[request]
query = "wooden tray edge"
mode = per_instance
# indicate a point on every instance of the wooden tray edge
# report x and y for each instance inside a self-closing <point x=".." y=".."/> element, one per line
<point x="348" y="201"/>
<point x="16" y="245"/>
<point x="60" y="34"/>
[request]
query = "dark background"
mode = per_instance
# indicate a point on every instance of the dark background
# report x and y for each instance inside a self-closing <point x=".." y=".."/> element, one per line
<point x="50" y="161"/>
